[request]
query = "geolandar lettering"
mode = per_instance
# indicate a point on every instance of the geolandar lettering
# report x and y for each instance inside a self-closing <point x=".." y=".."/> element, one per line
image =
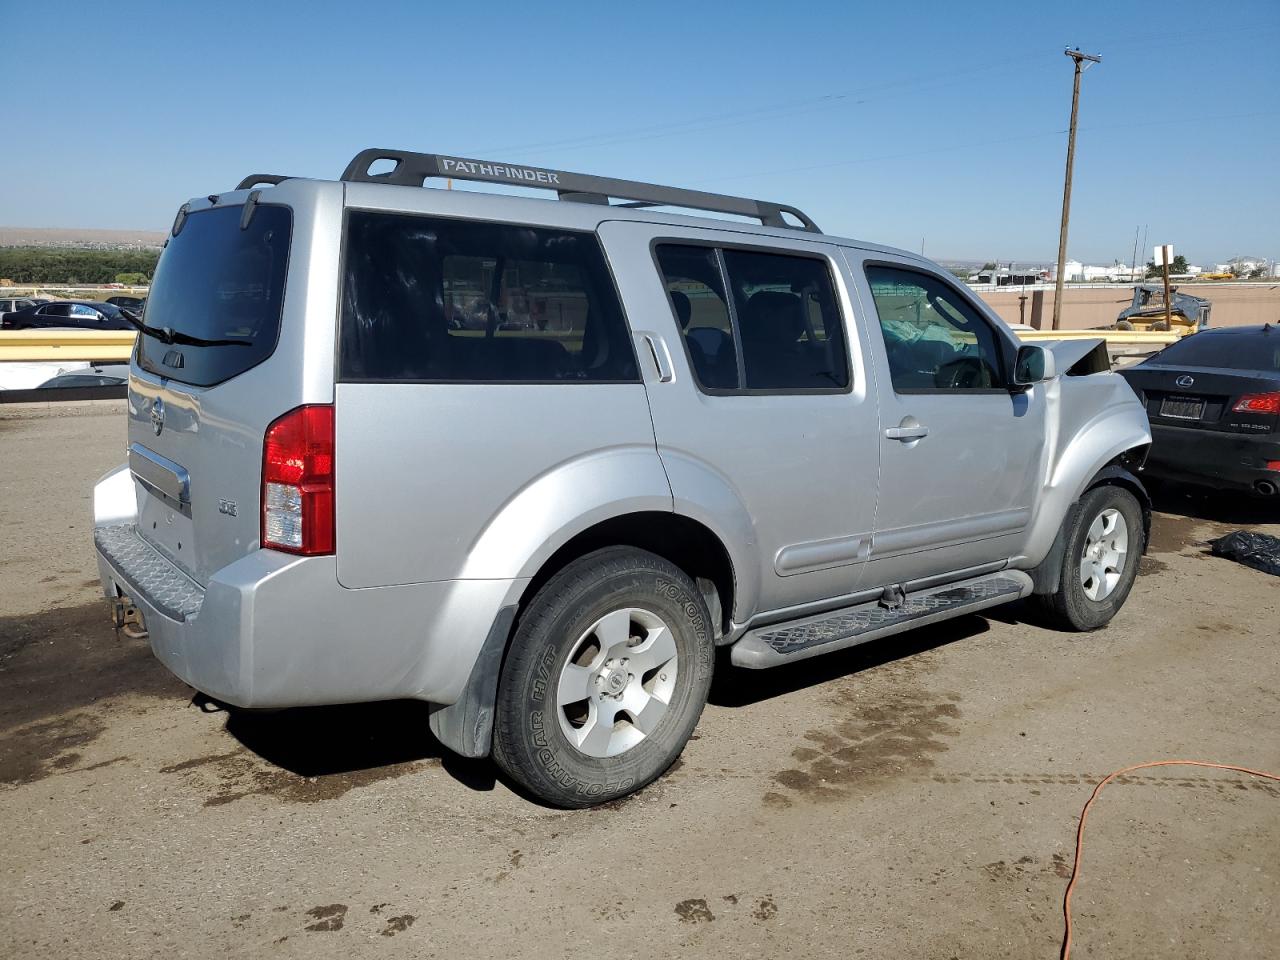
<point x="532" y="461"/>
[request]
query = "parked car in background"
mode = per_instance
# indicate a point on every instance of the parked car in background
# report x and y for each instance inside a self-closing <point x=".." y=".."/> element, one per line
<point x="76" y="314"/>
<point x="30" y="374"/>
<point x="13" y="304"/>
<point x="132" y="304"/>
<point x="104" y="375"/>
<point x="671" y="434"/>
<point x="1213" y="399"/>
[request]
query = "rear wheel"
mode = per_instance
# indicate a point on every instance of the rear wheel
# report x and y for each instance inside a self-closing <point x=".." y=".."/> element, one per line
<point x="1103" y="547"/>
<point x="605" y="680"/>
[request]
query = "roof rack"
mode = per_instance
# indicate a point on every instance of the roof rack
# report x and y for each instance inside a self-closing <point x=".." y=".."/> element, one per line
<point x="274" y="179"/>
<point x="413" y="169"/>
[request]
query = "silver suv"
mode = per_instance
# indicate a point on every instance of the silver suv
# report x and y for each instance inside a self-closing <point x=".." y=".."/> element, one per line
<point x="533" y="461"/>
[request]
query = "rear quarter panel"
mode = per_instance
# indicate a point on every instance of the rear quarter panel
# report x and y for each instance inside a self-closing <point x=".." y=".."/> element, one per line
<point x="480" y="481"/>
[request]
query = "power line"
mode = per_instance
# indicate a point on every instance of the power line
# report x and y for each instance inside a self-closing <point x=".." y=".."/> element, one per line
<point x="951" y="148"/>
<point x="1156" y="45"/>
<point x="777" y="111"/>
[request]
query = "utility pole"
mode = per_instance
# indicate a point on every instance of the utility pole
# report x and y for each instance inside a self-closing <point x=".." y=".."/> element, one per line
<point x="1080" y="60"/>
<point x="1166" y="254"/>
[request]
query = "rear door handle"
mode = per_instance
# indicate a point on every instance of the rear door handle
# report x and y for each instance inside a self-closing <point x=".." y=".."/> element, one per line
<point x="909" y="429"/>
<point x="661" y="359"/>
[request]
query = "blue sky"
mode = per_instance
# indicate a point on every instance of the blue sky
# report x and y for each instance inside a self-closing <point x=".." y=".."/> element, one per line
<point x="889" y="122"/>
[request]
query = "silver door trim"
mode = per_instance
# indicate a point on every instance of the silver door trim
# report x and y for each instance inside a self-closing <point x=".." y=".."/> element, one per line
<point x="888" y="543"/>
<point x="817" y="554"/>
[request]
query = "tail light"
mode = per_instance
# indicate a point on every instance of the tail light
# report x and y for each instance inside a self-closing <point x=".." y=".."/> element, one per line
<point x="1258" y="403"/>
<point x="297" y="482"/>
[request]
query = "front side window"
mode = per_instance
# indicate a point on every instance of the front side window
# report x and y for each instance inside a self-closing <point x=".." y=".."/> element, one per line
<point x="427" y="299"/>
<point x="934" y="339"/>
<point x="778" y="329"/>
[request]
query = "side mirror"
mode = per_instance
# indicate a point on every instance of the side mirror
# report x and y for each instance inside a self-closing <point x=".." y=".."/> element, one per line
<point x="1034" y="365"/>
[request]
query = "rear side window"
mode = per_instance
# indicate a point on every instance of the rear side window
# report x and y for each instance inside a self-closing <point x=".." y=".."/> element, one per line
<point x="778" y="329"/>
<point x="222" y="289"/>
<point x="791" y="332"/>
<point x="692" y="275"/>
<point x="427" y="299"/>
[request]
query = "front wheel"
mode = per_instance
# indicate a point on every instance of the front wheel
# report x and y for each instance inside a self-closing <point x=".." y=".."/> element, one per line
<point x="1104" y="544"/>
<point x="606" y="678"/>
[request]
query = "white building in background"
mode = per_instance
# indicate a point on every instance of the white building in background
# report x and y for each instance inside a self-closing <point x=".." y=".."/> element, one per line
<point x="1076" y="272"/>
<point x="1072" y="271"/>
<point x="1243" y="266"/>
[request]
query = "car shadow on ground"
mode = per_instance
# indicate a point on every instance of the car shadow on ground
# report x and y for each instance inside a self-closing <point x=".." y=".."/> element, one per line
<point x="352" y="738"/>
<point x="348" y="738"/>
<point x="1214" y="505"/>
<point x="739" y="687"/>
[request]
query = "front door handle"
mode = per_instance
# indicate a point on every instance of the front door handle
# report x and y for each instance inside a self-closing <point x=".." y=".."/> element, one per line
<point x="909" y="429"/>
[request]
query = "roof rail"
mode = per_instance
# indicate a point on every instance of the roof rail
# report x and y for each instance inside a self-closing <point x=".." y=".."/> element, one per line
<point x="413" y="169"/>
<point x="274" y="179"/>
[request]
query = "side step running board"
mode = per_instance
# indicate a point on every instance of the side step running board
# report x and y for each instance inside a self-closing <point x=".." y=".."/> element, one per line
<point x="781" y="643"/>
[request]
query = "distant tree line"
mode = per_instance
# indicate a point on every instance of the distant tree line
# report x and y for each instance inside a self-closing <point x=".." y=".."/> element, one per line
<point x="63" y="265"/>
<point x="1179" y="265"/>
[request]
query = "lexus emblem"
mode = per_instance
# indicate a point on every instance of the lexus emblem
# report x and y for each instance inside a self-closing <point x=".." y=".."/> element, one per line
<point x="1185" y="380"/>
<point x="157" y="415"/>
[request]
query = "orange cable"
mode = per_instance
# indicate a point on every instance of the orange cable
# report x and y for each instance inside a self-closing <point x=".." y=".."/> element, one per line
<point x="1084" y="814"/>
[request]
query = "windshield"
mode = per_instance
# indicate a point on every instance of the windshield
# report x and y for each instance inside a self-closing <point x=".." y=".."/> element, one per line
<point x="1232" y="351"/>
<point x="218" y="282"/>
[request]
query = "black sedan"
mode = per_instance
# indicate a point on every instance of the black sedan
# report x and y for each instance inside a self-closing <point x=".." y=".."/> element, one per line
<point x="76" y="314"/>
<point x="134" y="304"/>
<point x="1213" y="399"/>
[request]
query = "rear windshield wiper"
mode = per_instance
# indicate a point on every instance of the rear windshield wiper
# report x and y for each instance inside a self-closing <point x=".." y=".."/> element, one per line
<point x="169" y="335"/>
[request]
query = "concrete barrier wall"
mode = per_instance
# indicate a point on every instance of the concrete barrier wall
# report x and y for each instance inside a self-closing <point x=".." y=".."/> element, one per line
<point x="1233" y="305"/>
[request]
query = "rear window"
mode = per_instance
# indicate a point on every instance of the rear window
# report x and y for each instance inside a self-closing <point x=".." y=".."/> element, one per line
<point x="218" y="282"/>
<point x="1232" y="351"/>
<point x="433" y="300"/>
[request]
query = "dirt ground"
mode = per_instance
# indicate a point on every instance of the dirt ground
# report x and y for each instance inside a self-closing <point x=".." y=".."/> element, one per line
<point x="916" y="797"/>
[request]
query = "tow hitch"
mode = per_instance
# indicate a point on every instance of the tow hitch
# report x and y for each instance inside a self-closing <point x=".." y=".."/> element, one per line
<point x="127" y="618"/>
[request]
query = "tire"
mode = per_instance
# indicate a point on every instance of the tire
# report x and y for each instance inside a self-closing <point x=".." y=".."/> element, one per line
<point x="603" y="627"/>
<point x="1088" y="594"/>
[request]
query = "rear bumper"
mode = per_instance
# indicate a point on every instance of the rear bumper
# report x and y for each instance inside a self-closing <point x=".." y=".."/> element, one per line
<point x="275" y="630"/>
<point x="1227" y="460"/>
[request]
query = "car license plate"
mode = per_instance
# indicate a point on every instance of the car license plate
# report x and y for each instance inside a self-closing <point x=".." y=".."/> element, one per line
<point x="1180" y="408"/>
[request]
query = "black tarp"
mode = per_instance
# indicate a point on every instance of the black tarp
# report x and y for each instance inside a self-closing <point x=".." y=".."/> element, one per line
<point x="1255" y="550"/>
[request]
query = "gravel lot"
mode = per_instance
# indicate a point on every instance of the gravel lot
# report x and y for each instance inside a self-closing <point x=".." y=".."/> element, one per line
<point x="913" y="798"/>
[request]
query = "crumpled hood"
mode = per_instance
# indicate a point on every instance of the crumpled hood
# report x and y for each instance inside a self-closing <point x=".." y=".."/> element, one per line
<point x="1067" y="353"/>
